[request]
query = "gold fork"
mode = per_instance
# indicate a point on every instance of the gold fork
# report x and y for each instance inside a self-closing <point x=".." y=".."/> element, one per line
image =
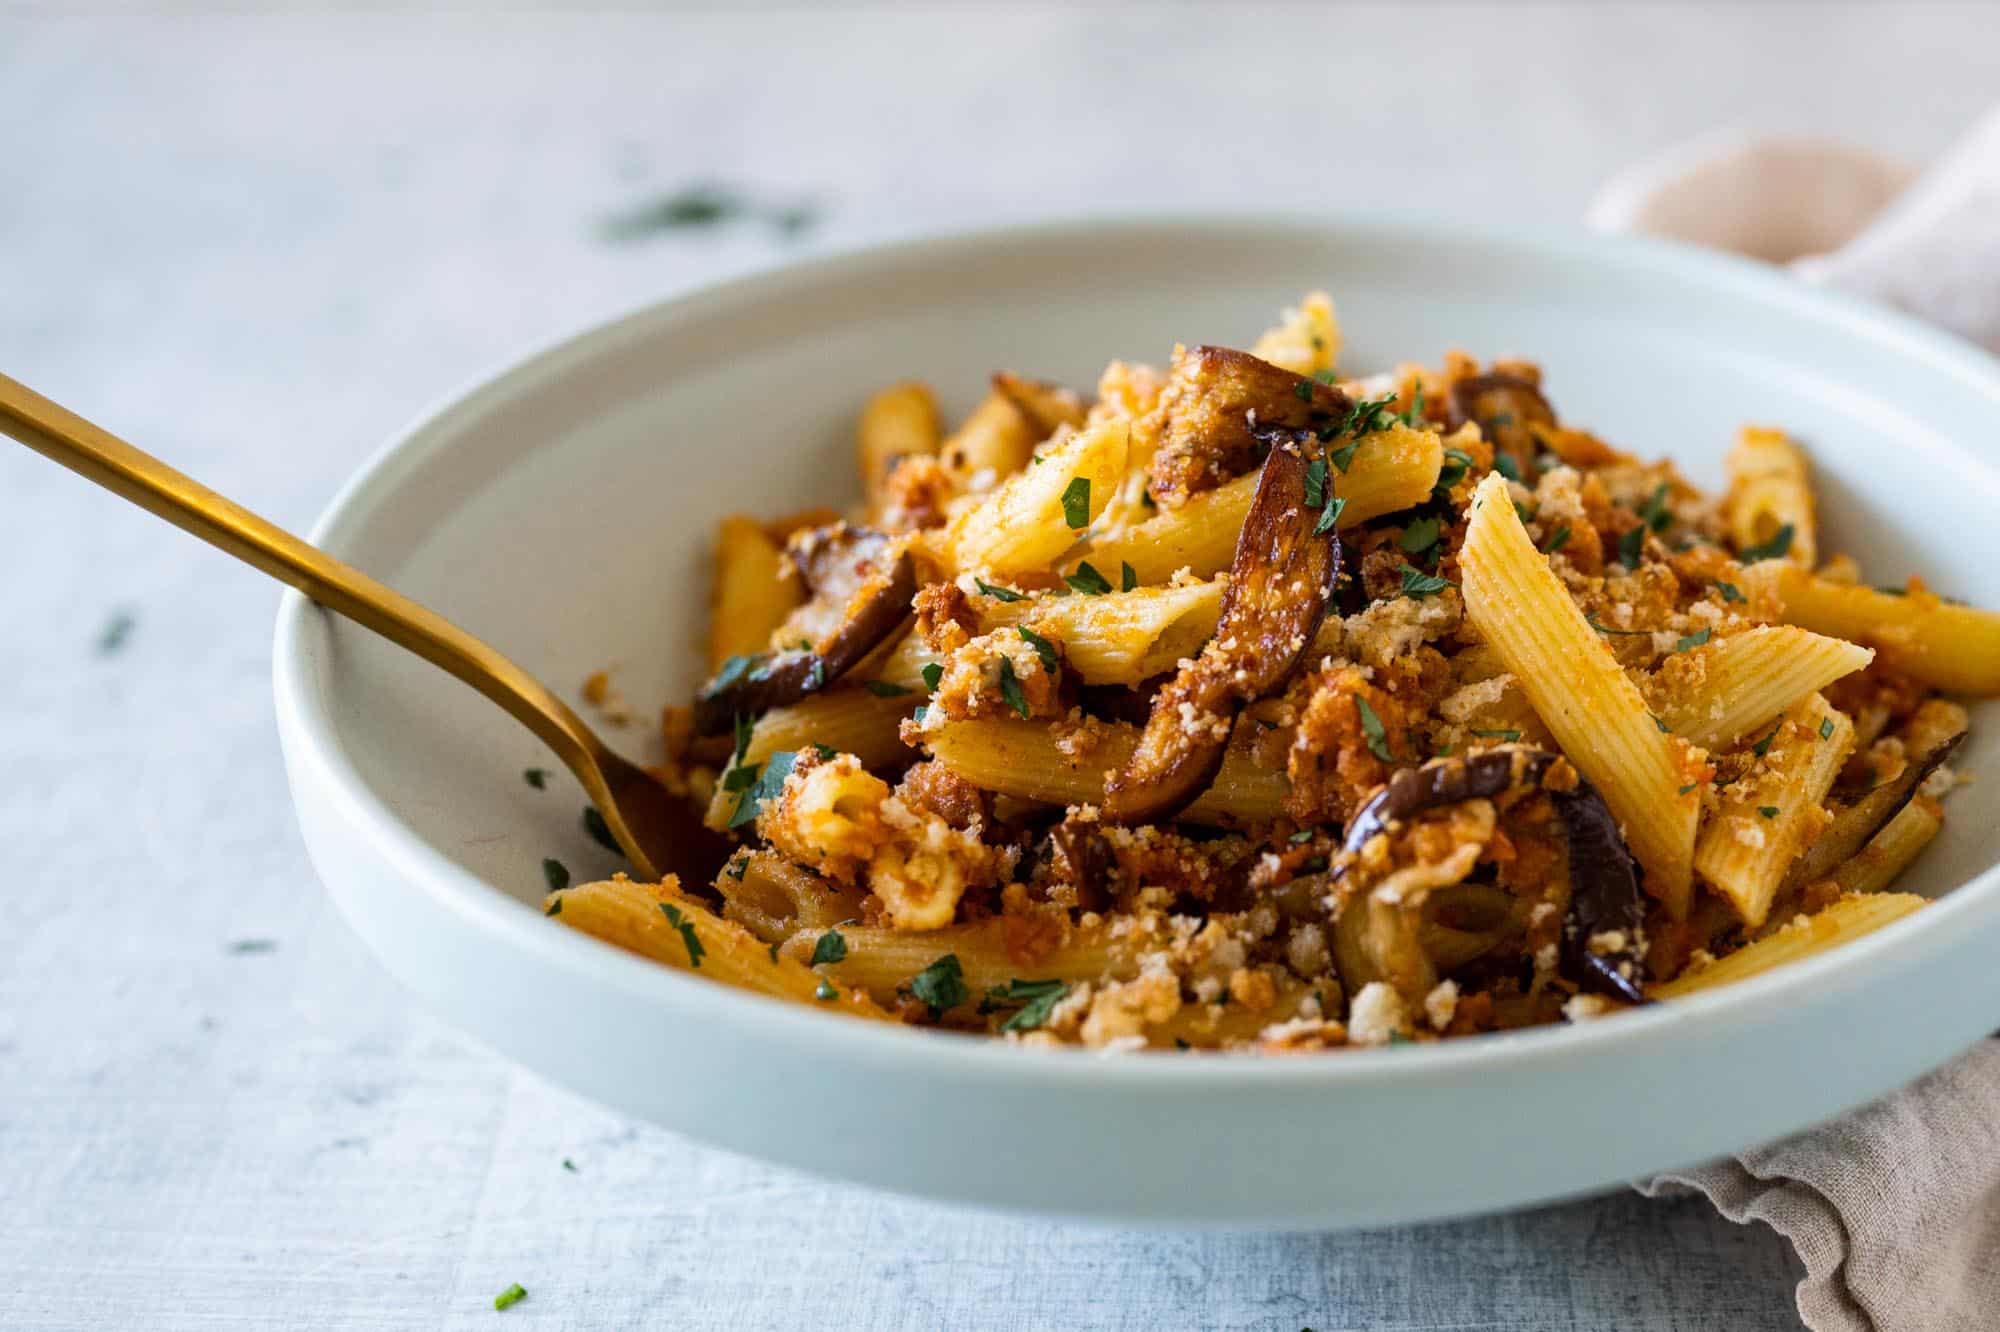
<point x="659" y="831"/>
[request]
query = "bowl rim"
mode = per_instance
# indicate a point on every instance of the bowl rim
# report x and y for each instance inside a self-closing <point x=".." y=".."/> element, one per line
<point x="308" y="734"/>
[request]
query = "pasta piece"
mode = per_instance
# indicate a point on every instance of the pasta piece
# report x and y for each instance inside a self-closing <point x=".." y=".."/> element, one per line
<point x="1390" y="470"/>
<point x="852" y="721"/>
<point x="1307" y="341"/>
<point x="635" y="917"/>
<point x="1841" y="922"/>
<point x="1767" y="817"/>
<point x="1891" y="850"/>
<point x="880" y="960"/>
<point x="1119" y="637"/>
<point x="903" y="664"/>
<point x="994" y="442"/>
<point x="1047" y="406"/>
<point x="1768" y="492"/>
<point x="1027" y="759"/>
<point x="899" y="422"/>
<point x="755" y="591"/>
<point x="1956" y="648"/>
<point x="1714" y="696"/>
<point x="1645" y="775"/>
<point x="774" y="898"/>
<point x="1027" y="524"/>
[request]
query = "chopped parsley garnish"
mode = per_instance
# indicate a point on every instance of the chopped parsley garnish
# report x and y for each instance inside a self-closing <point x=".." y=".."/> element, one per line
<point x="1416" y="412"/>
<point x="1602" y="628"/>
<point x="1509" y="736"/>
<point x="826" y="993"/>
<point x="734" y="671"/>
<point x="1631" y="546"/>
<point x="1088" y="581"/>
<point x="1768" y="811"/>
<point x="918" y="715"/>
<point x="1779" y="546"/>
<point x="1316" y="483"/>
<point x="743" y="728"/>
<point x="513" y="1295"/>
<point x="1342" y="456"/>
<point x="569" y="1165"/>
<point x="1456" y="462"/>
<point x="932" y="673"/>
<point x="1398" y="1038"/>
<point x="825" y="751"/>
<point x="816" y="674"/>
<point x="886" y="688"/>
<point x="1302" y="836"/>
<point x="599" y="830"/>
<point x="1693" y="640"/>
<point x="1689" y="787"/>
<point x="1180" y="1044"/>
<point x="1559" y="539"/>
<point x="1504" y="464"/>
<point x="1826" y="729"/>
<point x="941" y="985"/>
<point x="1043" y="648"/>
<point x="1037" y="999"/>
<point x="1658" y="724"/>
<point x="1418" y="585"/>
<point x="1894" y="591"/>
<point x="688" y="936"/>
<point x="1730" y="592"/>
<point x="1076" y="503"/>
<point x="739" y="777"/>
<point x="1655" y="512"/>
<point x="1329" y="515"/>
<point x="111" y="638"/>
<point x="1373" y="731"/>
<point x="554" y="908"/>
<point x="830" y="947"/>
<point x="1303" y="390"/>
<point x="998" y="593"/>
<point x="736" y="867"/>
<point x="1420" y="535"/>
<point x="1010" y="688"/>
<point x="1765" y="744"/>
<point x="1128" y="577"/>
<point x="556" y="873"/>
<point x="768" y="781"/>
<point x="1524" y="513"/>
<point x="536" y="777"/>
<point x="773" y="949"/>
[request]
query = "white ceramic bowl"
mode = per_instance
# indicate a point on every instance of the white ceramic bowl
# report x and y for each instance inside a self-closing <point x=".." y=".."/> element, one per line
<point x="561" y="511"/>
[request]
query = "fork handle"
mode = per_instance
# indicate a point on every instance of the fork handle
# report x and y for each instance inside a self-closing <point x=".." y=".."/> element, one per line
<point x="100" y="456"/>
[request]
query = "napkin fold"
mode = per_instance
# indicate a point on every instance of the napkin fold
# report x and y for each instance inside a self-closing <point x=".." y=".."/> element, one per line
<point x="1894" y="1209"/>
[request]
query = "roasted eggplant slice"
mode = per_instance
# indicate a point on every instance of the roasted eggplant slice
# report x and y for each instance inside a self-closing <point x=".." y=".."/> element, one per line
<point x="1280" y="582"/>
<point x="1504" y="406"/>
<point x="1852" y="828"/>
<point x="1603" y="937"/>
<point x="864" y="594"/>
<point x="1213" y="402"/>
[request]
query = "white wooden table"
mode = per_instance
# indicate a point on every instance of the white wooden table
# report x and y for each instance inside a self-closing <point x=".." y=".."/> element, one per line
<point x="258" y="246"/>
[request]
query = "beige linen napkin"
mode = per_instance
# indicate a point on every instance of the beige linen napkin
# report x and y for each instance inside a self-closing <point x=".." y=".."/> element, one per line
<point x="1894" y="1209"/>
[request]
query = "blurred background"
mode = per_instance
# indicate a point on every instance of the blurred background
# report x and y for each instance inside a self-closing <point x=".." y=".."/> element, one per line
<point x="259" y="243"/>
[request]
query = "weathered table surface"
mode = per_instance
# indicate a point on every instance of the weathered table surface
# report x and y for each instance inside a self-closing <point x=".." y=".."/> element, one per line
<point x="258" y="246"/>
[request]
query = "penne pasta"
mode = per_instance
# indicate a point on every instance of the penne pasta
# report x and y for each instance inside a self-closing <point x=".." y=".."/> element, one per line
<point x="1048" y="407"/>
<point x="1769" y="495"/>
<point x="1028" y="523"/>
<point x="849" y="721"/>
<point x="1767" y="817"/>
<point x="1841" y="922"/>
<point x="755" y="591"/>
<point x="994" y="442"/>
<point x="1713" y="696"/>
<point x="1306" y="341"/>
<point x="665" y="925"/>
<point x="899" y="422"/>
<point x="1891" y="850"/>
<point x="1390" y="470"/>
<point x="1026" y="759"/>
<point x="1119" y="637"/>
<point x="774" y="899"/>
<point x="1956" y="648"/>
<point x="1598" y="716"/>
<point x="880" y="961"/>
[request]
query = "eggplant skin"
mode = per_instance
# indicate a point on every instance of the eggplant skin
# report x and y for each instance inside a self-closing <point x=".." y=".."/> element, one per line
<point x="843" y="560"/>
<point x="1280" y="583"/>
<point x="1504" y="406"/>
<point x="1605" y="897"/>
<point x="1852" y="828"/>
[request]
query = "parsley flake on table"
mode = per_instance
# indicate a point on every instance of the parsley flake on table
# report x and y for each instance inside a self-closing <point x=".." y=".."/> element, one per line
<point x="1088" y="581"/>
<point x="1373" y="731"/>
<point x="688" y="936"/>
<point x="1779" y="546"/>
<point x="1076" y="503"/>
<point x="941" y="985"/>
<point x="599" y="830"/>
<point x="1010" y="688"/>
<point x="536" y="777"/>
<point x="117" y="630"/>
<point x="511" y="1296"/>
<point x="569" y="1165"/>
<point x="556" y="873"/>
<point x="829" y="947"/>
